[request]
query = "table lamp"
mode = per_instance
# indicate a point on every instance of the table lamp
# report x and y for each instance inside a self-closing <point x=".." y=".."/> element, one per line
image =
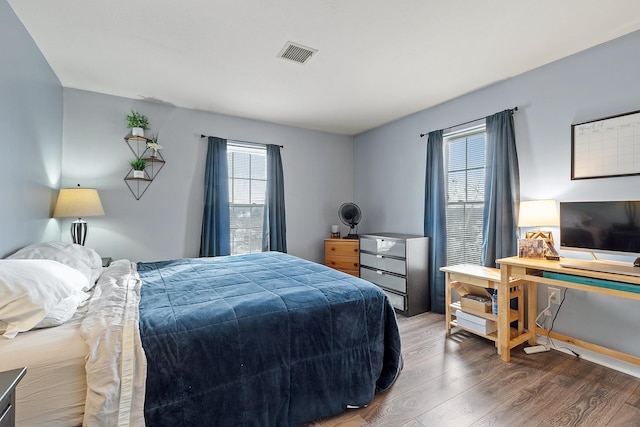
<point x="77" y="203"/>
<point x="539" y="213"/>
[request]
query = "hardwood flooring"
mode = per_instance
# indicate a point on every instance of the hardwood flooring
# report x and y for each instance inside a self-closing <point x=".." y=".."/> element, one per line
<point x="461" y="381"/>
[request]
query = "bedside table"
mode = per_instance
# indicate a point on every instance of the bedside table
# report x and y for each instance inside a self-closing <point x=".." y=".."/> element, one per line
<point x="8" y="382"/>
<point x="343" y="255"/>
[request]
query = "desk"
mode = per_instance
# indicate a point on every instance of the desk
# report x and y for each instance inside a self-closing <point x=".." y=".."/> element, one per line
<point x="530" y="271"/>
<point x="488" y="278"/>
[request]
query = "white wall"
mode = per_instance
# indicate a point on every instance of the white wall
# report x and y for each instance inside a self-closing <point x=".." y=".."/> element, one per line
<point x="166" y="222"/>
<point x="30" y="138"/>
<point x="599" y="82"/>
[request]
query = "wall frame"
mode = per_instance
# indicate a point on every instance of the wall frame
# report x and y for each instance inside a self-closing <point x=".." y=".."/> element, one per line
<point x="606" y="147"/>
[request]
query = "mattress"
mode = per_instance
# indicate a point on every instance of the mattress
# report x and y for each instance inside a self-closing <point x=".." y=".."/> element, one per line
<point x="53" y="391"/>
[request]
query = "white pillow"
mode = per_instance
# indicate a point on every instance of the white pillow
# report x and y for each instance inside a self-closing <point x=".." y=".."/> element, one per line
<point x="31" y="289"/>
<point x="86" y="260"/>
<point x="62" y="312"/>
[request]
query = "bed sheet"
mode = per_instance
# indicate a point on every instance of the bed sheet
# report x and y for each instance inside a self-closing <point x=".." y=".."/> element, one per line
<point x="53" y="391"/>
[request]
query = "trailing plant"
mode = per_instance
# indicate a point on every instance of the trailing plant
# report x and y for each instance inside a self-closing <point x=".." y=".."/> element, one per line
<point x="137" y="120"/>
<point x="138" y="164"/>
<point x="153" y="143"/>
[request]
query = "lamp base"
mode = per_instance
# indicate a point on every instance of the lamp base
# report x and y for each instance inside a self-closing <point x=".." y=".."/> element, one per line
<point x="79" y="231"/>
<point x="538" y="234"/>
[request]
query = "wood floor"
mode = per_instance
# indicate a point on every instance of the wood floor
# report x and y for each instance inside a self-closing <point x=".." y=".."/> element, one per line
<point x="461" y="381"/>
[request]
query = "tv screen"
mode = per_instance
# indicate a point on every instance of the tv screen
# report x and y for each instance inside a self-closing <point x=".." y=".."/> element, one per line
<point x="600" y="226"/>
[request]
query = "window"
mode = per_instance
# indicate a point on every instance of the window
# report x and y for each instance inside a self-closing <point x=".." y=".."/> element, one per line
<point x="465" y="167"/>
<point x="247" y="187"/>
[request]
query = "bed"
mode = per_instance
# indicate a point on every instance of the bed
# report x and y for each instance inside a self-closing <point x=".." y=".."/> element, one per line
<point x="255" y="340"/>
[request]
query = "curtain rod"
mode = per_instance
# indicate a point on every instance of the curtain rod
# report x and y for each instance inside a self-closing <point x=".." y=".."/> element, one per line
<point x="513" y="110"/>
<point x="239" y="140"/>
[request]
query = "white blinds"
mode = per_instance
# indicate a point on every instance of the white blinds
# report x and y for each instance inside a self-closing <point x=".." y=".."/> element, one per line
<point x="465" y="162"/>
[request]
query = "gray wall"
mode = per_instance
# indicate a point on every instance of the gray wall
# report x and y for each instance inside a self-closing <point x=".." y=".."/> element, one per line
<point x="30" y="138"/>
<point x="599" y="82"/>
<point x="165" y="223"/>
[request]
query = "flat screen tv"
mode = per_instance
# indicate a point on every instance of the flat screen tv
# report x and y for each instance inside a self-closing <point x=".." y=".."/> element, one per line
<point x="607" y="227"/>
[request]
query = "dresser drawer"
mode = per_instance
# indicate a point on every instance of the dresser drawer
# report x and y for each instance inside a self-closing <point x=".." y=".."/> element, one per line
<point x="343" y="247"/>
<point x="342" y="262"/>
<point x="7" y="410"/>
<point x="381" y="262"/>
<point x="384" y="279"/>
<point x="398" y="302"/>
<point x="383" y="246"/>
<point x="8" y="383"/>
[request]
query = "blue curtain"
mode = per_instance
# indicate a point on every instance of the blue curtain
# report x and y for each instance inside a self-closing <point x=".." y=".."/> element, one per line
<point x="215" y="239"/>
<point x="435" y="218"/>
<point x="502" y="190"/>
<point x="274" y="229"/>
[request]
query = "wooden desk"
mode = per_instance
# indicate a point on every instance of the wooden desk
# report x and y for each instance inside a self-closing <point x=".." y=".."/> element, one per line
<point x="489" y="278"/>
<point x="530" y="270"/>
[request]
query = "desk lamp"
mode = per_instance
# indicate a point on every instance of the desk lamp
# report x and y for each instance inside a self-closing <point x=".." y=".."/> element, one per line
<point x="77" y="203"/>
<point x="539" y="213"/>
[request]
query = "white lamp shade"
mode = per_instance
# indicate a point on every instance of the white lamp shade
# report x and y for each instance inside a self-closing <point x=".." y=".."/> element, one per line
<point x="538" y="213"/>
<point x="78" y="203"/>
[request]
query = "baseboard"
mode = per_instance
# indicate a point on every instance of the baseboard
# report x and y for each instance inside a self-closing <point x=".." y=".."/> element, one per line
<point x="592" y="356"/>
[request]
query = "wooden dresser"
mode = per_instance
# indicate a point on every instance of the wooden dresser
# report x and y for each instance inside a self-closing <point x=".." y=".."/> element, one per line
<point x="343" y="255"/>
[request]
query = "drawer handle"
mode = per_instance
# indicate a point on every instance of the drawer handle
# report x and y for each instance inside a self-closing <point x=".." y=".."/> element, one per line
<point x="6" y="411"/>
<point x="380" y="272"/>
<point x="333" y="248"/>
<point x="380" y="256"/>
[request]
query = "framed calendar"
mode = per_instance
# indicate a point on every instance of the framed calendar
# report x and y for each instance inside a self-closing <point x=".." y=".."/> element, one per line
<point x="606" y="147"/>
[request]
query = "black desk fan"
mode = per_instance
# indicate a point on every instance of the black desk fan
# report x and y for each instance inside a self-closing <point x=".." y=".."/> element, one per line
<point x="350" y="214"/>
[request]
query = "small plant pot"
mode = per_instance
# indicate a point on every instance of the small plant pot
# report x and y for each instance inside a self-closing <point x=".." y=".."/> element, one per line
<point x="138" y="174"/>
<point x="137" y="131"/>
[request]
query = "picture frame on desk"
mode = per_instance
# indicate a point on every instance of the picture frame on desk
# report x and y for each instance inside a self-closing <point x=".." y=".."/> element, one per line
<point x="531" y="248"/>
<point x="550" y="252"/>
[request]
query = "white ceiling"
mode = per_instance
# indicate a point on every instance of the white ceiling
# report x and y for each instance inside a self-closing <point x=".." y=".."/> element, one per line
<point x="377" y="60"/>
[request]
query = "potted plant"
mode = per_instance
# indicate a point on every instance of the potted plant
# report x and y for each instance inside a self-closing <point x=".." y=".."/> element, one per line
<point x="153" y="145"/>
<point x="138" y="166"/>
<point x="137" y="122"/>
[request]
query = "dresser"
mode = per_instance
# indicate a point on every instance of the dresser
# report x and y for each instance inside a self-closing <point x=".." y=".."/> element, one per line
<point x="343" y="255"/>
<point x="8" y="382"/>
<point x="399" y="264"/>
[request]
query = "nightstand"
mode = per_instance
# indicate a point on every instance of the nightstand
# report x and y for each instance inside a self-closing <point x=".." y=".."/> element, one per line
<point x="343" y="255"/>
<point x="8" y="382"/>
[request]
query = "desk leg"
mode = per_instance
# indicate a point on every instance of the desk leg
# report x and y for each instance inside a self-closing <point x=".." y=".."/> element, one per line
<point x="504" y="329"/>
<point x="532" y="306"/>
<point x="520" y="293"/>
<point x="447" y="302"/>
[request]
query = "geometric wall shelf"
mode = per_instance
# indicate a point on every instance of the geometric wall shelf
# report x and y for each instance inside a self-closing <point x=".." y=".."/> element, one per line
<point x="155" y="162"/>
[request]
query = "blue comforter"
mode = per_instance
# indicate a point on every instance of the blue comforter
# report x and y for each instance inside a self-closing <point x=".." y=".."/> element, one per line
<point x="261" y="340"/>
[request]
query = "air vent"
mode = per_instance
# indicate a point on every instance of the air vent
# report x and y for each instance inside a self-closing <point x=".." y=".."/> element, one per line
<point x="296" y="52"/>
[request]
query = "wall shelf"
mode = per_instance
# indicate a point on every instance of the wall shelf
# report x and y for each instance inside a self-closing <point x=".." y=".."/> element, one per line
<point x="155" y="162"/>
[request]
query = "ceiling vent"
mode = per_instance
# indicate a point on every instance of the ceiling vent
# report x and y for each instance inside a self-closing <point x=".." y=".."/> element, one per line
<point x="296" y="52"/>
